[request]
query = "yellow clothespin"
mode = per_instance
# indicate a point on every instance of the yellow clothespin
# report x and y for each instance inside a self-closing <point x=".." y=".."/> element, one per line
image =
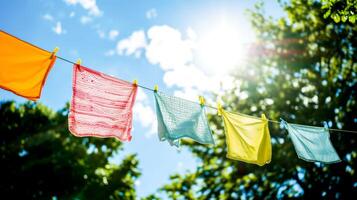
<point x="79" y="61"/>
<point x="202" y="100"/>
<point x="54" y="52"/>
<point x="156" y="88"/>
<point x="263" y="117"/>
<point x="219" y="108"/>
<point x="135" y="82"/>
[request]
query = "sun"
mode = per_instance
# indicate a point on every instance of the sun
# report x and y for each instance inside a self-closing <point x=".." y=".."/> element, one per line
<point x="221" y="47"/>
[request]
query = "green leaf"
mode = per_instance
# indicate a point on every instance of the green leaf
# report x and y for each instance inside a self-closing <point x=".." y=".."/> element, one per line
<point x="344" y="18"/>
<point x="327" y="14"/>
<point x="336" y="17"/>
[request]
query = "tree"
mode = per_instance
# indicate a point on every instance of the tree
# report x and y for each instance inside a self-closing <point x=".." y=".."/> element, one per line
<point x="340" y="10"/>
<point x="304" y="70"/>
<point x="40" y="159"/>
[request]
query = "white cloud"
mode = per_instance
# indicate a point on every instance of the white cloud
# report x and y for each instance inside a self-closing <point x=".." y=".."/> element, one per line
<point x="85" y="19"/>
<point x="47" y="17"/>
<point x="57" y="26"/>
<point x="89" y="5"/>
<point x="191" y="34"/>
<point x="167" y="48"/>
<point x="110" y="53"/>
<point x="72" y="14"/>
<point x="113" y="34"/>
<point x="141" y="95"/>
<point x="137" y="183"/>
<point x="151" y="14"/>
<point x="187" y="93"/>
<point x="175" y="53"/>
<point x="144" y="113"/>
<point x="187" y="76"/>
<point x="132" y="45"/>
<point x="58" y="29"/>
<point x="101" y="33"/>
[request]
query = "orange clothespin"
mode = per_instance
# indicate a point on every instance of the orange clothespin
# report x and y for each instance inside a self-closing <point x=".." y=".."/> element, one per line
<point x="79" y="61"/>
<point x="156" y="88"/>
<point x="54" y="52"/>
<point x="135" y="82"/>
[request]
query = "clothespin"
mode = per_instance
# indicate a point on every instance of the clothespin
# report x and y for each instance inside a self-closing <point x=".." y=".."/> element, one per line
<point x="263" y="117"/>
<point x="325" y="125"/>
<point x="202" y="100"/>
<point x="219" y="108"/>
<point x="135" y="82"/>
<point x="156" y="88"/>
<point x="54" y="52"/>
<point x="79" y="61"/>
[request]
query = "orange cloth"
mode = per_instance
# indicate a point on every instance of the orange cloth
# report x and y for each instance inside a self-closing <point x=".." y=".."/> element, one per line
<point x="23" y="67"/>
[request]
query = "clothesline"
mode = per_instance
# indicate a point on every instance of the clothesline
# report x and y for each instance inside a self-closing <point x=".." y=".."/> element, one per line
<point x="215" y="108"/>
<point x="144" y="87"/>
<point x="147" y="88"/>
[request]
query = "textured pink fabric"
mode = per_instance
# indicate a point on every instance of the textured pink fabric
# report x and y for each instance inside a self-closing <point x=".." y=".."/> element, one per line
<point x="101" y="105"/>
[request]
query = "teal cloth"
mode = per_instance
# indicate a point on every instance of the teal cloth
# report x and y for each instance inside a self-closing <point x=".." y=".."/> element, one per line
<point x="312" y="143"/>
<point x="178" y="118"/>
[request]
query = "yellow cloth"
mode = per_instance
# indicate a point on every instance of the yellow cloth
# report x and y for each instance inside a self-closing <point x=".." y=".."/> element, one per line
<point x="23" y="67"/>
<point x="247" y="138"/>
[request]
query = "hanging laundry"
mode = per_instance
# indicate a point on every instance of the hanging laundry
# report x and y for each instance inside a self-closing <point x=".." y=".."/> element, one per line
<point x="312" y="143"/>
<point x="178" y="118"/>
<point x="247" y="138"/>
<point x="101" y="105"/>
<point x="24" y="67"/>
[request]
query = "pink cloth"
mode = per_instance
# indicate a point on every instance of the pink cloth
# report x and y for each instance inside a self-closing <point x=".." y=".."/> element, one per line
<point x="102" y="106"/>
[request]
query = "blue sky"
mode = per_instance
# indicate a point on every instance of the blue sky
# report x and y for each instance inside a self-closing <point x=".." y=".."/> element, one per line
<point x="187" y="47"/>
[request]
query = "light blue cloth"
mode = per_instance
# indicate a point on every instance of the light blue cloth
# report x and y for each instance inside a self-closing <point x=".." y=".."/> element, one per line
<point x="178" y="118"/>
<point x="312" y="143"/>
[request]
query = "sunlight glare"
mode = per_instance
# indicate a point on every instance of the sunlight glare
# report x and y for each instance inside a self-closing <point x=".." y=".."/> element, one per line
<point x="221" y="48"/>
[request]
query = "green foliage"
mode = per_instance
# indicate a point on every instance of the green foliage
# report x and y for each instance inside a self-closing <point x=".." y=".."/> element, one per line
<point x="304" y="70"/>
<point x="40" y="159"/>
<point x="340" y="10"/>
